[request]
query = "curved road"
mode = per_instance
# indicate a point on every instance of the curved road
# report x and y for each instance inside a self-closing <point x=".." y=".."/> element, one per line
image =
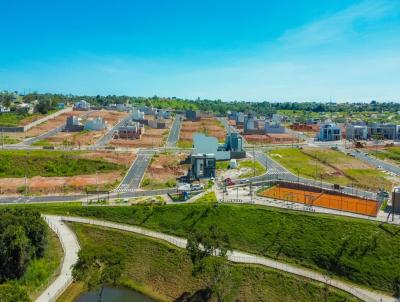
<point x="236" y="256"/>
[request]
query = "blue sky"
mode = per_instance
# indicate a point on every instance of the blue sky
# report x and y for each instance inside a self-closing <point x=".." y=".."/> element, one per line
<point x="233" y="50"/>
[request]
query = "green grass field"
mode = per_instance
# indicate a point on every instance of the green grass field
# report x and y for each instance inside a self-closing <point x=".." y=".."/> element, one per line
<point x="331" y="166"/>
<point x="391" y="153"/>
<point x="208" y="197"/>
<point x="13" y="119"/>
<point x="259" y="168"/>
<point x="165" y="272"/>
<point x="18" y="163"/>
<point x="360" y="251"/>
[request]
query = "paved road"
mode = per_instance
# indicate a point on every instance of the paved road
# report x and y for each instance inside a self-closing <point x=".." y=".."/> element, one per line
<point x="373" y="161"/>
<point x="48" y="134"/>
<point x="241" y="257"/>
<point x="109" y="135"/>
<point x="173" y="136"/>
<point x="71" y="248"/>
<point x="136" y="172"/>
<point x="82" y="197"/>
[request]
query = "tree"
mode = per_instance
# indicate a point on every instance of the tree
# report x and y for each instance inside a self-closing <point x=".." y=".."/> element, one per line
<point x="11" y="292"/>
<point x="99" y="268"/>
<point x="43" y="106"/>
<point x="208" y="252"/>
<point x="15" y="252"/>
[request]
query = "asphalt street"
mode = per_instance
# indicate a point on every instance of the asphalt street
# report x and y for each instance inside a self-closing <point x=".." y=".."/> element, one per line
<point x="109" y="135"/>
<point x="174" y="132"/>
<point x="375" y="162"/>
<point x="135" y="173"/>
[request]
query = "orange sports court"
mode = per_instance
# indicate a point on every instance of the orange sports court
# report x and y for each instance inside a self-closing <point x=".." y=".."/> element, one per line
<point x="322" y="199"/>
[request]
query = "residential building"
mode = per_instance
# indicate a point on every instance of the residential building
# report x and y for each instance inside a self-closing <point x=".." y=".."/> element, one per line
<point x="73" y="124"/>
<point x="95" y="124"/>
<point x="130" y="131"/>
<point x="273" y="128"/>
<point x="329" y="132"/>
<point x="157" y="124"/>
<point x="356" y="132"/>
<point x="193" y="115"/>
<point x="202" y="166"/>
<point x="82" y="105"/>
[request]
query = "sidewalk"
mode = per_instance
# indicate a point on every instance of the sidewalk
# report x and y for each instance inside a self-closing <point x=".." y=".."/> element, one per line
<point x="71" y="248"/>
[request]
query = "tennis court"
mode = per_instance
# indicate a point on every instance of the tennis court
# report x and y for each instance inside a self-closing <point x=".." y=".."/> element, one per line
<point x="321" y="199"/>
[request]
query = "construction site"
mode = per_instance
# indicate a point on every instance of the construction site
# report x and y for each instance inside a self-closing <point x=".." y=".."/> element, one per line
<point x="208" y="125"/>
<point x="327" y="199"/>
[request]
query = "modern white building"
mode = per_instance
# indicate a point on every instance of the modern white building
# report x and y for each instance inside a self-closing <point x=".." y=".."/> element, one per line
<point x="137" y="115"/>
<point x="95" y="124"/>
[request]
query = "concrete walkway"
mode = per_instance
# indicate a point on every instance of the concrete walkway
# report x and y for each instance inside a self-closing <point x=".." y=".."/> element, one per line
<point x="240" y="257"/>
<point x="71" y="248"/>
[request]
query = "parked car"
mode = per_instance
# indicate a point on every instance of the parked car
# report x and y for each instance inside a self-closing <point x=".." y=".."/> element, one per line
<point x="197" y="187"/>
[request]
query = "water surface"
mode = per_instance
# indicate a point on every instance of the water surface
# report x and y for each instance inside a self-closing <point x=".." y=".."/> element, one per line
<point x="111" y="294"/>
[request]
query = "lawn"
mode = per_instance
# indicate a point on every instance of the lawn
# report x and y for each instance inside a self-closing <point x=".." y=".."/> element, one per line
<point x="14" y="119"/>
<point x="207" y="198"/>
<point x="9" y="140"/>
<point x="164" y="272"/>
<point x="254" y="166"/>
<point x="18" y="163"/>
<point x="331" y="166"/>
<point x="184" y="144"/>
<point x="360" y="251"/>
<point x="390" y="153"/>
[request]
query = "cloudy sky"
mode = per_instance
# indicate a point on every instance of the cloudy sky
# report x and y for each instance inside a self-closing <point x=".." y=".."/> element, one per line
<point x="232" y="50"/>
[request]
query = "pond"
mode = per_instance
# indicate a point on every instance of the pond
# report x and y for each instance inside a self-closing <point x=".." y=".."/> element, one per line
<point x="111" y="294"/>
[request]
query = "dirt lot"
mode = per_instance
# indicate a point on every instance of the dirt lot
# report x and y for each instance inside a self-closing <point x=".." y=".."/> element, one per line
<point x="123" y="158"/>
<point x="85" y="138"/>
<point x="258" y="139"/>
<point x="164" y="170"/>
<point x="166" y="166"/>
<point x="150" y="138"/>
<point x="53" y="185"/>
<point x="210" y="126"/>
<point x="46" y="126"/>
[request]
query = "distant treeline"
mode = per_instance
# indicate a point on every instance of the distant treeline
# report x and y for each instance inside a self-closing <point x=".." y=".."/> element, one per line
<point x="215" y="106"/>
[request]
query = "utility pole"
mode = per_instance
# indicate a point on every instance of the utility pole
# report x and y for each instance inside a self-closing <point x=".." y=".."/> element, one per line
<point x="254" y="163"/>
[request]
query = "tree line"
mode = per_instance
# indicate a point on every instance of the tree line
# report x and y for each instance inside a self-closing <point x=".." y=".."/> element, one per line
<point x="215" y="106"/>
<point x="23" y="237"/>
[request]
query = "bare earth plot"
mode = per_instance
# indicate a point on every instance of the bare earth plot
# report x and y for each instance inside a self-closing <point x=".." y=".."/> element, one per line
<point x="209" y="126"/>
<point x="46" y="126"/>
<point x="163" y="171"/>
<point x="72" y="184"/>
<point x="152" y="138"/>
<point x="85" y="138"/>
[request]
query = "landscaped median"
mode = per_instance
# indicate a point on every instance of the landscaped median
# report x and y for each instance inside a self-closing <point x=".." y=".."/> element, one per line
<point x="363" y="252"/>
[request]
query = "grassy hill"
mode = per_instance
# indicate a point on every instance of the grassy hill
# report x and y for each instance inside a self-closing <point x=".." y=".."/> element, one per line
<point x="360" y="251"/>
<point x="165" y="272"/>
<point x="18" y="163"/>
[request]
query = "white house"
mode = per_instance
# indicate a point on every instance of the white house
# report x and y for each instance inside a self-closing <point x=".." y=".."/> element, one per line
<point x="95" y="124"/>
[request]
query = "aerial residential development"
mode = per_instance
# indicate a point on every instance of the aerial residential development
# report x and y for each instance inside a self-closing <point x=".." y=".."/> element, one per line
<point x="200" y="151"/>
